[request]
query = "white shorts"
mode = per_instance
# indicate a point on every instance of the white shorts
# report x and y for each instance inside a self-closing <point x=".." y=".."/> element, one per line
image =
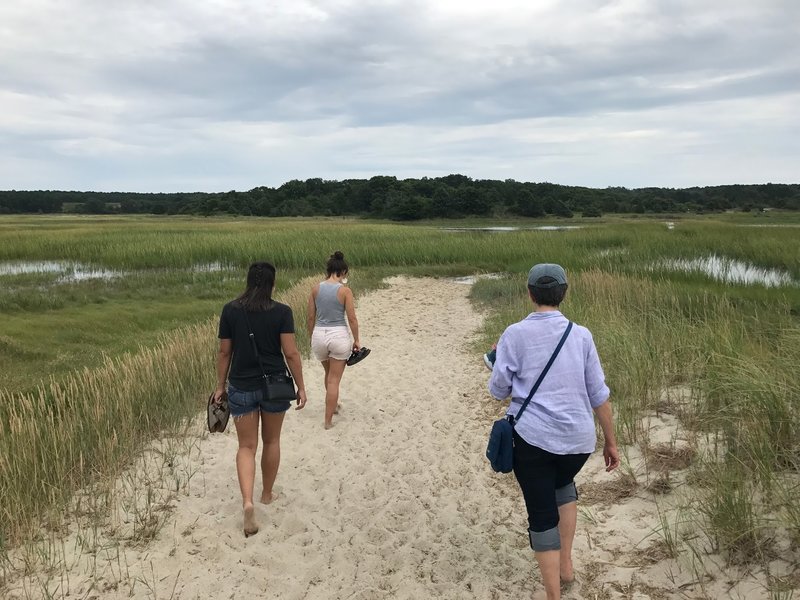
<point x="331" y="342"/>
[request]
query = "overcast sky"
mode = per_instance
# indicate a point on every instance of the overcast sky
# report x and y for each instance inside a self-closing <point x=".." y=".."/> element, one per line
<point x="213" y="95"/>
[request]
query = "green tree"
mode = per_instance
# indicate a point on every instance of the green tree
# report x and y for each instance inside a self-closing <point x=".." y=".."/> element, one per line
<point x="528" y="205"/>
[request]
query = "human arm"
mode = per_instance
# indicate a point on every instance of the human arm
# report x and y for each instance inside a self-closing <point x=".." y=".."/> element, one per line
<point x="504" y="369"/>
<point x="311" y="313"/>
<point x="350" y="311"/>
<point x="606" y="420"/>
<point x="295" y="364"/>
<point x="224" y="355"/>
<point x="598" y="393"/>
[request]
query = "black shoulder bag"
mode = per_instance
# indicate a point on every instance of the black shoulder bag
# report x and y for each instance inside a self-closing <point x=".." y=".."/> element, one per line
<point x="278" y="387"/>
<point x="500" y="450"/>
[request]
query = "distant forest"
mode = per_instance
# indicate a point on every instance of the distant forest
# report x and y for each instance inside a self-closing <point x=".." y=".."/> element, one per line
<point x="384" y="197"/>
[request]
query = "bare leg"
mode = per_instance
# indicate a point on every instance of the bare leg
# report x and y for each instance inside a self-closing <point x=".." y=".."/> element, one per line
<point x="326" y="365"/>
<point x="549" y="567"/>
<point x="567" y="522"/>
<point x="333" y="378"/>
<point x="247" y="432"/>
<point x="271" y="424"/>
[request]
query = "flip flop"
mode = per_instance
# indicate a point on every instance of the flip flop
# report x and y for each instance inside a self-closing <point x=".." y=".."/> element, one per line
<point x="218" y="413"/>
<point x="357" y="357"/>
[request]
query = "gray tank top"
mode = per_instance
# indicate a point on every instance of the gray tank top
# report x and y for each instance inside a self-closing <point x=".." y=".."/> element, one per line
<point x="330" y="312"/>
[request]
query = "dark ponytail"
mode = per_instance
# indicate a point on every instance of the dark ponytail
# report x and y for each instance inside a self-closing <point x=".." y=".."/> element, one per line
<point x="336" y="264"/>
<point x="260" y="283"/>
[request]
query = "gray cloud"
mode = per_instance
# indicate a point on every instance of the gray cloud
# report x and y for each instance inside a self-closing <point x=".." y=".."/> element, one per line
<point x="182" y="95"/>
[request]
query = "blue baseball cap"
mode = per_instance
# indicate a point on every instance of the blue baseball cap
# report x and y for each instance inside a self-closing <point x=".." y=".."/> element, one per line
<point x="553" y="271"/>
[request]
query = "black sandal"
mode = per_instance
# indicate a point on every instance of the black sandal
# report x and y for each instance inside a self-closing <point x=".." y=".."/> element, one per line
<point x="358" y="356"/>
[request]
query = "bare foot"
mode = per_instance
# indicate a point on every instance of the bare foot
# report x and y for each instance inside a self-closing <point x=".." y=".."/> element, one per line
<point x="269" y="498"/>
<point x="250" y="525"/>
<point x="328" y="425"/>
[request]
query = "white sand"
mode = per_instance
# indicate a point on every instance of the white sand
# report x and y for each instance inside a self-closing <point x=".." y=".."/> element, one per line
<point x="396" y="501"/>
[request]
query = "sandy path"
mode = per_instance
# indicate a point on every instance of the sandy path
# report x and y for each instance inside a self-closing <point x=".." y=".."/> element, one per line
<point x="396" y="500"/>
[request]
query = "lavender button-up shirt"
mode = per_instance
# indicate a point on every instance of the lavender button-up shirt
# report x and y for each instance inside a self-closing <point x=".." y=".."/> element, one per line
<point x="559" y="417"/>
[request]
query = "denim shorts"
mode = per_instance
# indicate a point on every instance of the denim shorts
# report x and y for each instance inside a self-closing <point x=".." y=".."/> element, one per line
<point x="243" y="402"/>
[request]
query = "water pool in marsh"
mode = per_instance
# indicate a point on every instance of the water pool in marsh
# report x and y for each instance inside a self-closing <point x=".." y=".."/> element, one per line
<point x="510" y="229"/>
<point x="71" y="272"/>
<point x="729" y="270"/>
<point x="66" y="271"/>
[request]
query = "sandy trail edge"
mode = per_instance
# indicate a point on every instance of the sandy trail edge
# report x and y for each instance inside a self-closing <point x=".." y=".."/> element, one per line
<point x="396" y="501"/>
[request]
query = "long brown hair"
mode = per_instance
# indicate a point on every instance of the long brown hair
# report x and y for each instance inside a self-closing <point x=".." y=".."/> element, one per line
<point x="260" y="283"/>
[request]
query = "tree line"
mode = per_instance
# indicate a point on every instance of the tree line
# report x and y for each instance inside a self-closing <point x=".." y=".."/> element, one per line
<point x="386" y="197"/>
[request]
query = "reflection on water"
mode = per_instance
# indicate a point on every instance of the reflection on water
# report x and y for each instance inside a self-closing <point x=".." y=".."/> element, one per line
<point x="489" y="229"/>
<point x="557" y="227"/>
<point x="21" y="268"/>
<point x="470" y="279"/>
<point x="75" y="271"/>
<point x="730" y="271"/>
<point x="212" y="267"/>
<point x="612" y="252"/>
<point x="68" y="271"/>
<point x="507" y="229"/>
<point x="794" y="225"/>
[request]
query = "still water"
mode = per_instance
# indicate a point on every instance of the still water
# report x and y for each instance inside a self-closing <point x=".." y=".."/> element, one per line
<point x="730" y="271"/>
<point x="67" y="271"/>
<point x="508" y="229"/>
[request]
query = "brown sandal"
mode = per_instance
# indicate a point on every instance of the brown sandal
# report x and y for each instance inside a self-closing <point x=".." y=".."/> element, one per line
<point x="218" y="413"/>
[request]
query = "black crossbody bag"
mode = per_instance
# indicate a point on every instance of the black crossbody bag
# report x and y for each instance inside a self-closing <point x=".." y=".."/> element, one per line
<point x="278" y="387"/>
<point x="500" y="450"/>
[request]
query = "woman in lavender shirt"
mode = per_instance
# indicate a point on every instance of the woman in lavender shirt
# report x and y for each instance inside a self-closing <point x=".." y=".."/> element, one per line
<point x="555" y="435"/>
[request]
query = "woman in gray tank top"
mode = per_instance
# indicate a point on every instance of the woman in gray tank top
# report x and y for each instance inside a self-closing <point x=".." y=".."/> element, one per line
<point x="330" y="310"/>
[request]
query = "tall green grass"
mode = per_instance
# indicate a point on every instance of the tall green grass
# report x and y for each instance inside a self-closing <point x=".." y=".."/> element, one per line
<point x="62" y="435"/>
<point x="170" y="243"/>
<point x="734" y="348"/>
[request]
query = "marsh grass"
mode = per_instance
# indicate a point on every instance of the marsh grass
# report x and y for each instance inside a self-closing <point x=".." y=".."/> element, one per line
<point x="62" y="436"/>
<point x="733" y="520"/>
<point x="670" y="533"/>
<point x="732" y="350"/>
<point x="788" y="491"/>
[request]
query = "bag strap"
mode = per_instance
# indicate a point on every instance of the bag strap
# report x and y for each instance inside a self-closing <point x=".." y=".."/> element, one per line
<point x="252" y="337"/>
<point x="543" y="373"/>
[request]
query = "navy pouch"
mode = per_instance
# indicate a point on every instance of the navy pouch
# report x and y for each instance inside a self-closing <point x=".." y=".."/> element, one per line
<point x="500" y="450"/>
